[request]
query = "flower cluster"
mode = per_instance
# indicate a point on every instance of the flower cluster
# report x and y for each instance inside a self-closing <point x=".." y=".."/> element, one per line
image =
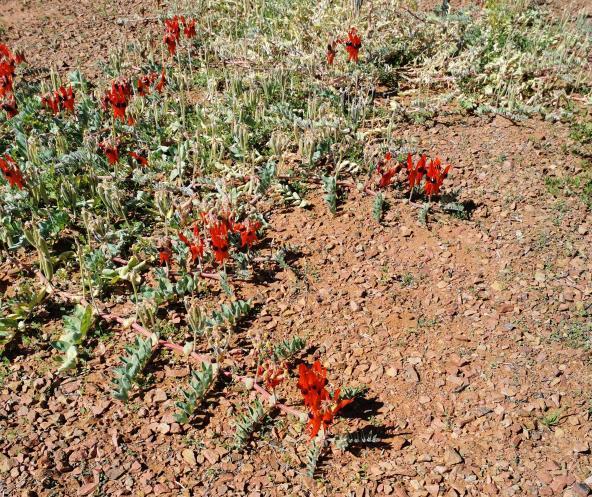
<point x="196" y="247"/>
<point x="435" y="177"/>
<point x="11" y="172"/>
<point x="387" y="170"/>
<point x="322" y="406"/>
<point x="332" y="51"/>
<point x="219" y="240"/>
<point x="8" y="63"/>
<point x="172" y="32"/>
<point x="145" y="82"/>
<point x="140" y="157"/>
<point x="165" y="252"/>
<point x="247" y="231"/>
<point x="432" y="171"/>
<point x="111" y="150"/>
<point x="352" y="43"/>
<point x="118" y="98"/>
<point x="416" y="171"/>
<point x="220" y="231"/>
<point x="60" y="99"/>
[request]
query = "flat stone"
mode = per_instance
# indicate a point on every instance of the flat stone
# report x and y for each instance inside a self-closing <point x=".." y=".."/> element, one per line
<point x="159" y="395"/>
<point x="452" y="457"/>
<point x="581" y="448"/>
<point x="411" y="375"/>
<point x="398" y="443"/>
<point x="211" y="455"/>
<point x="88" y="489"/>
<point x="559" y="483"/>
<point x="115" y="473"/>
<point x="189" y="457"/>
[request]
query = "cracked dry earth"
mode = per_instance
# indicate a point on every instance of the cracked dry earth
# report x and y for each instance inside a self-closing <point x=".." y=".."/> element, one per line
<point x="462" y="331"/>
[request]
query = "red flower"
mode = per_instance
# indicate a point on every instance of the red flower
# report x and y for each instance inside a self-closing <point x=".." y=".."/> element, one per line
<point x="171" y="43"/>
<point x="9" y="105"/>
<point x="6" y="77"/>
<point x="11" y="172"/>
<point x="118" y="98"/>
<point x="248" y="232"/>
<point x="435" y="177"/>
<point x="322" y="406"/>
<point x="386" y="174"/>
<point x="144" y="84"/>
<point x="219" y="240"/>
<point x="416" y="171"/>
<point x="141" y="157"/>
<point x="66" y="98"/>
<point x="161" y="82"/>
<point x="332" y="51"/>
<point x="353" y="45"/>
<point x="189" y="28"/>
<point x="19" y="58"/>
<point x="8" y="62"/>
<point x="51" y="102"/>
<point x="271" y="374"/>
<point x="172" y="26"/>
<point x="62" y="98"/>
<point x="172" y="34"/>
<point x="197" y="248"/>
<point x="311" y="383"/>
<point x="326" y="415"/>
<point x="111" y="151"/>
<point x="165" y="252"/>
<point x="164" y="256"/>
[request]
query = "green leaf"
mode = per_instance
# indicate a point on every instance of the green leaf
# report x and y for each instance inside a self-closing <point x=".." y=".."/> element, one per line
<point x="76" y="327"/>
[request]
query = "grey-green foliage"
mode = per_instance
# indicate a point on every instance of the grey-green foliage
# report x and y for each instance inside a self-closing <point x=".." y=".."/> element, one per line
<point x="343" y="442"/>
<point x="293" y="195"/>
<point x="8" y="328"/>
<point x="378" y="207"/>
<point x="280" y="258"/>
<point x="314" y="454"/>
<point x="247" y="423"/>
<point x="423" y="214"/>
<point x="199" y="384"/>
<point x="225" y="284"/>
<point x="75" y="329"/>
<point x="266" y="176"/>
<point x="229" y="313"/>
<point x="456" y="209"/>
<point x="330" y="187"/>
<point x="513" y="56"/>
<point x="288" y="348"/>
<point x="15" y="313"/>
<point x="127" y="374"/>
<point x="353" y="392"/>
<point x="35" y="238"/>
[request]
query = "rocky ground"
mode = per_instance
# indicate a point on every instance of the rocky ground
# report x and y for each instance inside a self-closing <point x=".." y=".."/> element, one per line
<point x="471" y="336"/>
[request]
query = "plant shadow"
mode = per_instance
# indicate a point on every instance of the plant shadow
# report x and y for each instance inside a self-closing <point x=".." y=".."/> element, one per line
<point x="369" y="436"/>
<point x="362" y="408"/>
